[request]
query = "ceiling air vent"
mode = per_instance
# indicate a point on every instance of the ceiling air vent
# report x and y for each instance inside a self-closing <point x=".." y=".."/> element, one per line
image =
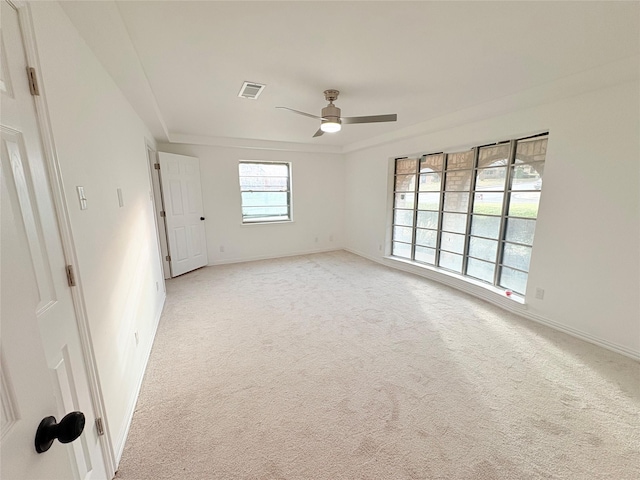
<point x="251" y="90"/>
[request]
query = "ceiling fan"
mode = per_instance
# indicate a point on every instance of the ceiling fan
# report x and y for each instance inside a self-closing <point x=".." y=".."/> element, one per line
<point x="331" y="119"/>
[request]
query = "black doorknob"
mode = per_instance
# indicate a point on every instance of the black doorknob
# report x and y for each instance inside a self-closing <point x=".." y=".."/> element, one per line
<point x="69" y="428"/>
<point x="201" y="218"/>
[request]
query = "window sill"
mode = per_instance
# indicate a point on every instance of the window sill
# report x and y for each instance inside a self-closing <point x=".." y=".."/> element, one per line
<point x="457" y="279"/>
<point x="275" y="222"/>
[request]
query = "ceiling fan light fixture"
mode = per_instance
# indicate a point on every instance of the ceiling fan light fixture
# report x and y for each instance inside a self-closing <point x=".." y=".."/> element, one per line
<point x="330" y="126"/>
<point x="331" y="118"/>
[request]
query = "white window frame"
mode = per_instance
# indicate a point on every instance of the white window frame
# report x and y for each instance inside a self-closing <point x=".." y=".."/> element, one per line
<point x="266" y="220"/>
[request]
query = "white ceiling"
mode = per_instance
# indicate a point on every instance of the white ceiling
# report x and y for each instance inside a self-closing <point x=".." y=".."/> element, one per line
<point x="181" y="64"/>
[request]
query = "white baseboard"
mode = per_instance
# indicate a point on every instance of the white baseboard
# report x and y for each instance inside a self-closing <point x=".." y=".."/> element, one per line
<point x="272" y="256"/>
<point x="622" y="350"/>
<point x="500" y="301"/>
<point x="121" y="441"/>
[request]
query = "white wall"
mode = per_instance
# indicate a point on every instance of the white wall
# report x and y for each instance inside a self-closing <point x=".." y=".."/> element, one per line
<point x="100" y="144"/>
<point x="586" y="252"/>
<point x="317" y="201"/>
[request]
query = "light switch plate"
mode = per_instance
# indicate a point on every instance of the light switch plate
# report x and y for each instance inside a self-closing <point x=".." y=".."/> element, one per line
<point x="82" y="198"/>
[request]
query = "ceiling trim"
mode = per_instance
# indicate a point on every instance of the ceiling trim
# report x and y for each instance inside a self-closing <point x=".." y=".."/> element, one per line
<point x="253" y="144"/>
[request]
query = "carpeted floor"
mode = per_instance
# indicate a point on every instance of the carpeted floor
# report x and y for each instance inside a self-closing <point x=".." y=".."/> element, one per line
<point x="330" y="366"/>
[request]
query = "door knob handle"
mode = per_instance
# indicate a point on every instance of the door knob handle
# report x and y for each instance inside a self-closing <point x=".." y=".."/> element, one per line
<point x="201" y="218"/>
<point x="69" y="428"/>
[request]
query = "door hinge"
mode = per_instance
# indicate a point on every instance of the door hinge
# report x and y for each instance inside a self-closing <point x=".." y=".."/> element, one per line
<point x="156" y="166"/>
<point x="33" y="81"/>
<point x="168" y="257"/>
<point x="71" y="277"/>
<point x="163" y="213"/>
<point x="99" y="426"/>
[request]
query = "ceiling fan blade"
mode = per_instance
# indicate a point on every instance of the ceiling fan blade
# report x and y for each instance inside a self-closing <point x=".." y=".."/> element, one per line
<point x="371" y="119"/>
<point x="301" y="113"/>
<point x="318" y="133"/>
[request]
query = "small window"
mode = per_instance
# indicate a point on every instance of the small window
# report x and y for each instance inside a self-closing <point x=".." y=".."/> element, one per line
<point x="266" y="192"/>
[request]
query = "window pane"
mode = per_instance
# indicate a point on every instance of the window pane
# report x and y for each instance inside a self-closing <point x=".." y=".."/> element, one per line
<point x="488" y="203"/>
<point x="403" y="234"/>
<point x="460" y="160"/>
<point x="452" y="242"/>
<point x="451" y="261"/>
<point x="405" y="183"/>
<point x="524" y="204"/>
<point x="272" y="184"/>
<point x="256" y="213"/>
<point x="527" y="176"/>
<point x="403" y="217"/>
<point x="454" y="222"/>
<point x="491" y="179"/>
<point x="428" y="201"/>
<point x="432" y="163"/>
<point x="482" y="226"/>
<point x="480" y="270"/>
<point x="517" y="256"/>
<point x="456" y="202"/>
<point x="259" y="199"/>
<point x="484" y="249"/>
<point x="430" y="182"/>
<point x="406" y="165"/>
<point x="404" y="200"/>
<point x="428" y="219"/>
<point x="513" y="280"/>
<point x="426" y="238"/>
<point x="458" y="181"/>
<point x="531" y="150"/>
<point x="494" y="155"/>
<point x="401" y="250"/>
<point x="520" y="231"/>
<point x="264" y="170"/>
<point x="426" y="255"/>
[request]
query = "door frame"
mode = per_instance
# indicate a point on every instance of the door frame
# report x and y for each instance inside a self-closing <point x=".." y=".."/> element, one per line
<point x="158" y="207"/>
<point x="50" y="158"/>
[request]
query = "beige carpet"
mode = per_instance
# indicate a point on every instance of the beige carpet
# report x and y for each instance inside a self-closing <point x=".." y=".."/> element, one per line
<point x="330" y="366"/>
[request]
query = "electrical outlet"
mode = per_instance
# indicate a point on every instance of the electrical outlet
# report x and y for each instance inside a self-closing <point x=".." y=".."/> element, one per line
<point x="331" y="238"/>
<point x="316" y="239"/>
<point x="540" y="293"/>
<point x="221" y="248"/>
<point x="380" y="247"/>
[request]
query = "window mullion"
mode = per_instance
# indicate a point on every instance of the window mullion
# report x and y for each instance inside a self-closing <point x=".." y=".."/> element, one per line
<point x="505" y="211"/>
<point x="445" y="158"/>
<point x="472" y="188"/>
<point x="289" y="192"/>
<point x="416" y="189"/>
<point x="393" y="211"/>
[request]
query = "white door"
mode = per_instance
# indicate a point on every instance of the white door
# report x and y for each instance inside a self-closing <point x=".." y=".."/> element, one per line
<point x="41" y="363"/>
<point x="182" y="197"/>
